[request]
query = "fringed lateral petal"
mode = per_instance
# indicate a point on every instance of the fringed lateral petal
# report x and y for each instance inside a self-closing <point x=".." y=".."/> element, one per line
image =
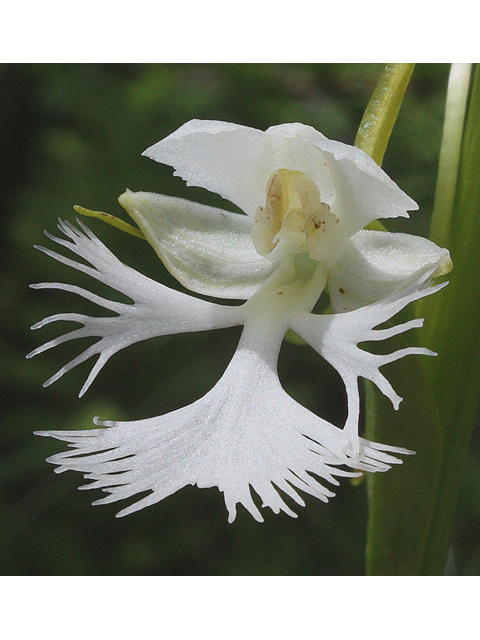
<point x="238" y="437"/>
<point x="156" y="309"/>
<point x="336" y="338"/>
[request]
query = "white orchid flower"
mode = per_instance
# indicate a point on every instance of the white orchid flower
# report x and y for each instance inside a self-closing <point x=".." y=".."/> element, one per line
<point x="306" y="201"/>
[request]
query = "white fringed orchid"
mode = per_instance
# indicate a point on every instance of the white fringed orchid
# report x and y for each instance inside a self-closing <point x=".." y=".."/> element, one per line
<point x="307" y="200"/>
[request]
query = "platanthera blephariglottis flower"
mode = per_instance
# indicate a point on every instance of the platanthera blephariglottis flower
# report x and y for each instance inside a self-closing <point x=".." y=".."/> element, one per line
<point x="306" y="201"/>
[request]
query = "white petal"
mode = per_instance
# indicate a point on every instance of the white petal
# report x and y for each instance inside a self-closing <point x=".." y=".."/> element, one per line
<point x="376" y="263"/>
<point x="364" y="192"/>
<point x="225" y="158"/>
<point x="208" y="250"/>
<point x="245" y="434"/>
<point x="237" y="161"/>
<point x="336" y="338"/>
<point x="156" y="309"/>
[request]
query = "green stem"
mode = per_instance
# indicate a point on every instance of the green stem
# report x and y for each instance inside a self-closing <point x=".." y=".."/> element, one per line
<point x="382" y="110"/>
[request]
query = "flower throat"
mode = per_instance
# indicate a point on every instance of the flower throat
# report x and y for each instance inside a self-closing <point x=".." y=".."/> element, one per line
<point x="294" y="218"/>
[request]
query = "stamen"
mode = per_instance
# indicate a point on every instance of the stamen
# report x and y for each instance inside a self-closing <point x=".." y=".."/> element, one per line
<point x="293" y="217"/>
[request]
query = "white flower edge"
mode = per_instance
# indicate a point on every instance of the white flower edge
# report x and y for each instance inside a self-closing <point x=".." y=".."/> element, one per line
<point x="246" y="435"/>
<point x="156" y="310"/>
<point x="336" y="338"/>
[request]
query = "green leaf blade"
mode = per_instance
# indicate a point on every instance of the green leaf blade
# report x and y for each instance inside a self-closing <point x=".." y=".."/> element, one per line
<point x="453" y="329"/>
<point x="401" y="501"/>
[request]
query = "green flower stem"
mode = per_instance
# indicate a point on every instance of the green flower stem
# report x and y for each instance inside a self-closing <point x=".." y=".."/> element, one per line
<point x="381" y="114"/>
<point x="453" y="329"/>
<point x="401" y="502"/>
<point x="382" y="110"/>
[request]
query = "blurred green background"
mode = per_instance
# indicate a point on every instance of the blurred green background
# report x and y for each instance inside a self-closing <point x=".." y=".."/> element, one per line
<point x="73" y="134"/>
